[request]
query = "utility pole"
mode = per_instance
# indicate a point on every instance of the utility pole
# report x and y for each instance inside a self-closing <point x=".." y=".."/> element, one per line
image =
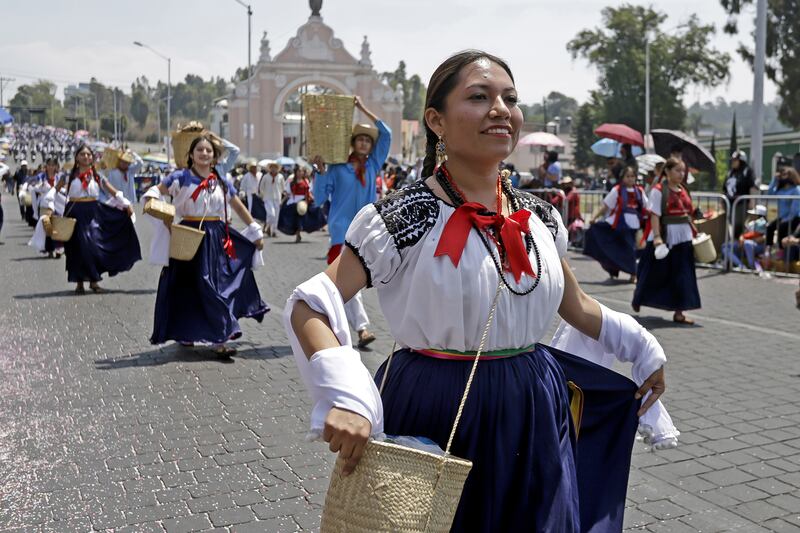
<point x="250" y="128"/>
<point x="3" y="82"/>
<point x="757" y="127"/>
<point x="646" y="86"/>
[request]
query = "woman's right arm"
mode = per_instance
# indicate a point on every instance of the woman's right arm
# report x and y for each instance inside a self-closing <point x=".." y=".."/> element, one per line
<point x="345" y="431"/>
<point x="312" y="328"/>
<point x="655" y="224"/>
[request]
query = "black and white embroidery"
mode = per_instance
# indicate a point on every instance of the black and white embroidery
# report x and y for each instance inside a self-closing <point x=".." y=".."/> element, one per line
<point x="543" y="210"/>
<point x="408" y="214"/>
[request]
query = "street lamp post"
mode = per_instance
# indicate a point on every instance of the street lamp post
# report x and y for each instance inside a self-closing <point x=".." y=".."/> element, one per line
<point x="249" y="129"/>
<point x="169" y="95"/>
<point x="646" y="85"/>
<point x="757" y="128"/>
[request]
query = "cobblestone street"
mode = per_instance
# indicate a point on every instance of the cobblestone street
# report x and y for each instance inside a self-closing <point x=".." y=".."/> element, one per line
<point x="101" y="431"/>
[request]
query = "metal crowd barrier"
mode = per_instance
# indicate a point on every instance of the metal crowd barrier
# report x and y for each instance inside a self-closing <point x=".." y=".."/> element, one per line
<point x="713" y="200"/>
<point x="768" y="200"/>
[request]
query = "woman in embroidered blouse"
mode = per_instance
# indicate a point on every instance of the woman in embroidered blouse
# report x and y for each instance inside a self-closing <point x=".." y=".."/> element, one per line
<point x="437" y="252"/>
<point x="104" y="239"/>
<point x="202" y="300"/>
<point x="612" y="241"/>
<point x="671" y="282"/>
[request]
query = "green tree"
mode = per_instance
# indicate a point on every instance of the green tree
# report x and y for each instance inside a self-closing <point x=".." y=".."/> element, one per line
<point x="139" y="106"/>
<point x="677" y="61"/>
<point x="413" y="91"/>
<point x="36" y="99"/>
<point x="783" y="44"/>
<point x="583" y="136"/>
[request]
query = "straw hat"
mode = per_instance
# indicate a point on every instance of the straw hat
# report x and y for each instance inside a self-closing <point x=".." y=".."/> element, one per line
<point x="126" y="156"/>
<point x="250" y="163"/>
<point x="365" y="129"/>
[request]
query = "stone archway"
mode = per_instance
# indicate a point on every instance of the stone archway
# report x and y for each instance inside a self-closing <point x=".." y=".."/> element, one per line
<point x="314" y="56"/>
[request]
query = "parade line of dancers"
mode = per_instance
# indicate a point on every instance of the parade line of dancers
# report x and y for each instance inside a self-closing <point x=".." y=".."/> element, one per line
<point x="463" y="263"/>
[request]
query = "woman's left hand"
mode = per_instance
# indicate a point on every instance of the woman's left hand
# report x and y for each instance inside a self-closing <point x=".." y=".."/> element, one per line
<point x="656" y="384"/>
<point x="259" y="244"/>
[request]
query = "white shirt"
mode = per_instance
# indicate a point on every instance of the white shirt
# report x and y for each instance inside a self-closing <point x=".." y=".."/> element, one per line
<point x="249" y="183"/>
<point x="430" y="303"/>
<point x="271" y="187"/>
<point x="676" y="233"/>
<point x="631" y="219"/>
<point x="76" y="189"/>
<point x="210" y="202"/>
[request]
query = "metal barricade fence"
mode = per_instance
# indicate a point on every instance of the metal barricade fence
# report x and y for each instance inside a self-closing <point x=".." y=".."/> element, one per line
<point x="713" y="201"/>
<point x="785" y="266"/>
<point x="591" y="200"/>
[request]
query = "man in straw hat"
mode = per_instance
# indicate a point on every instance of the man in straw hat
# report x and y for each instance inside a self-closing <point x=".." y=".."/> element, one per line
<point x="349" y="187"/>
<point x="123" y="176"/>
<point x="248" y="186"/>
<point x="270" y="190"/>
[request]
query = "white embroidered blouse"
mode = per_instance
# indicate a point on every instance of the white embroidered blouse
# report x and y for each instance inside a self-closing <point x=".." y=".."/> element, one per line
<point x="431" y="304"/>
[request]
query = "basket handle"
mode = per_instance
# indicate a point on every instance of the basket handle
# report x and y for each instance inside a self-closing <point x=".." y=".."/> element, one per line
<point x="474" y="368"/>
<point x="471" y="373"/>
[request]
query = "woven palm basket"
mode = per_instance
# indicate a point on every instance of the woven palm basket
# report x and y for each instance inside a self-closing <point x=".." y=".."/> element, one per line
<point x="63" y="227"/>
<point x="330" y="125"/>
<point x="395" y="488"/>
<point x="182" y="140"/>
<point x="184" y="242"/>
<point x="160" y="210"/>
<point x="110" y="157"/>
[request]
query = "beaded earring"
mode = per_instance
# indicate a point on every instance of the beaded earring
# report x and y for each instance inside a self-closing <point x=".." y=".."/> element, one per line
<point x="441" y="152"/>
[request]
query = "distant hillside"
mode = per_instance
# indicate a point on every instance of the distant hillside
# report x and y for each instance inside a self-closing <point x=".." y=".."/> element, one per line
<point x="717" y="116"/>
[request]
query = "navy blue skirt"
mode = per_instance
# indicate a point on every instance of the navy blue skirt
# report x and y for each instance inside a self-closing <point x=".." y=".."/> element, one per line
<point x="104" y="241"/>
<point x="257" y="209"/>
<point x="614" y="249"/>
<point x="203" y="299"/>
<point x="289" y="222"/>
<point x="517" y="430"/>
<point x="669" y="283"/>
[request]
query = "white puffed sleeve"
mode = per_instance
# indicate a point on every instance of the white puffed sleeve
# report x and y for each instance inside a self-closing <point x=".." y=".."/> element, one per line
<point x="372" y="243"/>
<point x="562" y="235"/>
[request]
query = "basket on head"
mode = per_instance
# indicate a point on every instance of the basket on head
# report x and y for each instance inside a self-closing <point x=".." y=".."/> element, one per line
<point x="63" y="227"/>
<point x="110" y="157"/>
<point x="395" y="488"/>
<point x="184" y="242"/>
<point x="182" y="139"/>
<point x="160" y="210"/>
<point x="330" y="125"/>
<point x="704" y="251"/>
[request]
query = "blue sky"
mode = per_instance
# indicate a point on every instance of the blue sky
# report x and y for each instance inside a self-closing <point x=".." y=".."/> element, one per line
<point x="69" y="42"/>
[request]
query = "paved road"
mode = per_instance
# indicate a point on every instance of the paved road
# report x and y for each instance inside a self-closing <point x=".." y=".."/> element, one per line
<point x="101" y="431"/>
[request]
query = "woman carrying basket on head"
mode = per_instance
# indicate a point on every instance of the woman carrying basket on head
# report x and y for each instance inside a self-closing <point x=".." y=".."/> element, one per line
<point x="104" y="239"/>
<point x="446" y="255"/>
<point x="612" y="242"/>
<point x="202" y="300"/>
<point x="669" y="281"/>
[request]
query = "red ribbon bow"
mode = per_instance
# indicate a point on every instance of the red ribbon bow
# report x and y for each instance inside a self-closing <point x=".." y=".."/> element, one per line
<point x="86" y="178"/>
<point x="205" y="184"/>
<point x="456" y="231"/>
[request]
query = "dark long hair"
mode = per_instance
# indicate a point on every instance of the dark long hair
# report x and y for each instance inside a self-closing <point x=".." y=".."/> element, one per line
<point x="442" y="82"/>
<point x="217" y="153"/>
<point x="75" y="171"/>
